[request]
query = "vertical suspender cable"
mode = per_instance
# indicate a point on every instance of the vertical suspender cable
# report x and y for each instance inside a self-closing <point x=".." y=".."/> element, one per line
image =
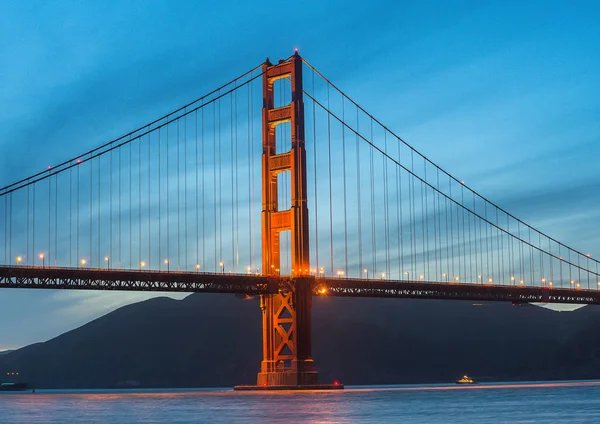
<point x="220" y="202"/>
<point x="177" y="151"/>
<point x="251" y="176"/>
<point x="400" y="217"/>
<point x="160" y="258"/>
<point x="372" y="183"/>
<point x="33" y="227"/>
<point x="140" y="199"/>
<point x="185" y="194"/>
<point x="131" y="207"/>
<point x="216" y="258"/>
<point x="385" y="206"/>
<point x="168" y="209"/>
<point x="345" y="203"/>
<point x="330" y="184"/>
<point x="233" y="206"/>
<point x="120" y="215"/>
<point x="237" y="189"/>
<point x="197" y="200"/>
<point x="315" y="178"/>
<point x="203" y="190"/>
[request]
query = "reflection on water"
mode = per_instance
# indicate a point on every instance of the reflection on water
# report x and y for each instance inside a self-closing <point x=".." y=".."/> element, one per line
<point x="544" y="402"/>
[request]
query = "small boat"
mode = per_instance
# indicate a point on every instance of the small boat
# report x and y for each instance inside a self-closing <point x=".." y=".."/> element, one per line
<point x="14" y="387"/>
<point x="466" y="380"/>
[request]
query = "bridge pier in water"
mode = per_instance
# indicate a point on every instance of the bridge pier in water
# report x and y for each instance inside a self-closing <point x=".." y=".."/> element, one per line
<point x="287" y="357"/>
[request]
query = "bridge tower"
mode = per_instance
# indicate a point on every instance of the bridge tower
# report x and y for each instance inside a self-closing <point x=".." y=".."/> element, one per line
<point x="287" y="357"/>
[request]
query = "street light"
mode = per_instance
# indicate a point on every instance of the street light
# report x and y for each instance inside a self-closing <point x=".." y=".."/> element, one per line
<point x="445" y="276"/>
<point x="322" y="271"/>
<point x="197" y="267"/>
<point x="168" y="266"/>
<point x="407" y="275"/>
<point x="82" y="262"/>
<point x="19" y="259"/>
<point x="381" y="276"/>
<point x="107" y="260"/>
<point x="43" y="258"/>
<point x="457" y="278"/>
<point x="366" y="271"/>
<point x="142" y="265"/>
<point x="222" y="264"/>
<point x="421" y="277"/>
<point x="340" y="273"/>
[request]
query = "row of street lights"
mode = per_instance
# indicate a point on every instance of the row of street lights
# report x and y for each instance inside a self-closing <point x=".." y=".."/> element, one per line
<point x="83" y="262"/>
<point x="340" y="273"/>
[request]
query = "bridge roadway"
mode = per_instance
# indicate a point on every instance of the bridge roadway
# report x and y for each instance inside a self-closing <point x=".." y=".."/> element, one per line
<point x="201" y="282"/>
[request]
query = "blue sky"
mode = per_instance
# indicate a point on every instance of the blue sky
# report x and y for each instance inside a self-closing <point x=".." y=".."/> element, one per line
<point x="502" y="94"/>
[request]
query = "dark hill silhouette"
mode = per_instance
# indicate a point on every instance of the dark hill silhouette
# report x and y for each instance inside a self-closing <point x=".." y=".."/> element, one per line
<point x="215" y="340"/>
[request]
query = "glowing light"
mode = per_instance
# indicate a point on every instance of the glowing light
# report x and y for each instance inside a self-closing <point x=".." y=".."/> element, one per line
<point x="78" y="160"/>
<point x="382" y="275"/>
<point x="577" y="285"/>
<point x="588" y="255"/>
<point x="83" y="262"/>
<point x="521" y="282"/>
<point x="106" y="258"/>
<point x="543" y="280"/>
<point x="462" y="182"/>
<point x="49" y="167"/>
<point x="512" y="278"/>
<point x="336" y="383"/>
<point x="479" y="276"/>
<point x="421" y="277"/>
<point x="142" y="264"/>
<point x="550" y="283"/>
<point x="323" y="290"/>
<point x="19" y="259"/>
<point x="166" y="261"/>
<point x="572" y="281"/>
<point x="42" y="256"/>
<point x="457" y="278"/>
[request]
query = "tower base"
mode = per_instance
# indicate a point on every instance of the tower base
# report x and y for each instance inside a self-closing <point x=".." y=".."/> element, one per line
<point x="292" y="387"/>
<point x="287" y="378"/>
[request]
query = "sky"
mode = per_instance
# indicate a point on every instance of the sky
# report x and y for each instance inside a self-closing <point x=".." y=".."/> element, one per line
<point x="505" y="95"/>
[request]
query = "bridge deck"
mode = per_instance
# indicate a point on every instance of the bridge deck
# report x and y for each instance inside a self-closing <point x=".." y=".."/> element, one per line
<point x="191" y="282"/>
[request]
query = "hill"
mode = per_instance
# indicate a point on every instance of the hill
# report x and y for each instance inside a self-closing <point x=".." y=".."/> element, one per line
<point x="215" y="340"/>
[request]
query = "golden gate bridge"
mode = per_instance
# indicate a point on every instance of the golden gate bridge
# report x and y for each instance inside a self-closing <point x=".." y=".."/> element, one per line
<point x="276" y="184"/>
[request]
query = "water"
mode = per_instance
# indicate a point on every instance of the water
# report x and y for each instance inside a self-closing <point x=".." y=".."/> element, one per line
<point x="552" y="402"/>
